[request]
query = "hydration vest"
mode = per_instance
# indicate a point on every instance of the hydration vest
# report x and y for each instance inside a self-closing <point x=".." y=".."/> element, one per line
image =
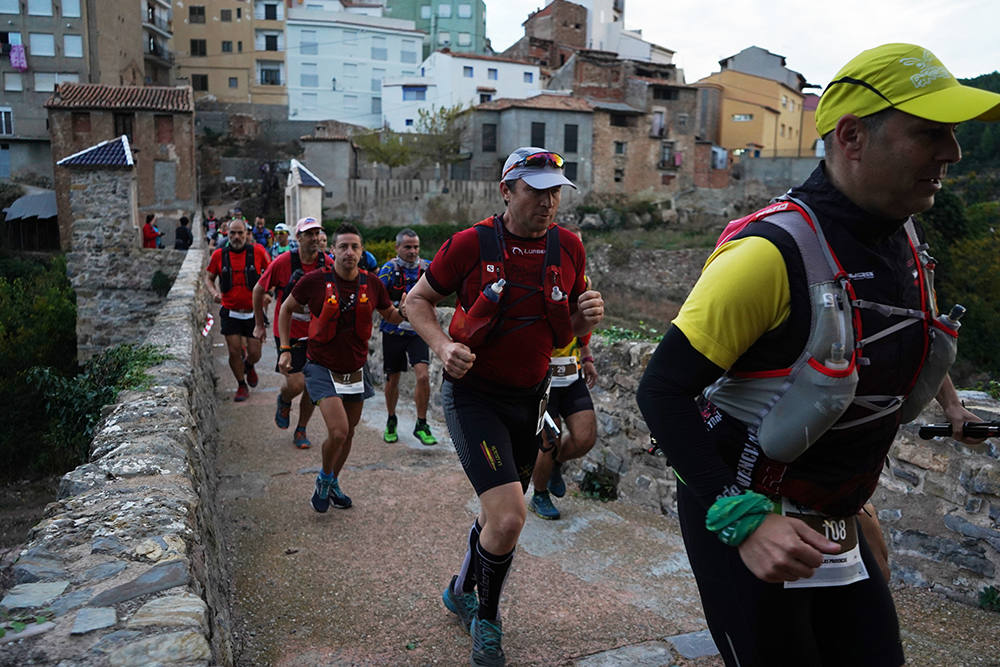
<point x="491" y="268"/>
<point x="323" y="328"/>
<point x="787" y="409"/>
<point x="250" y="272"/>
<point x="397" y="278"/>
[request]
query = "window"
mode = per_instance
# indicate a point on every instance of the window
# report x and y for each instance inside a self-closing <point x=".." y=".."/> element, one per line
<point x="408" y="52"/>
<point x="569" y="170"/>
<point x="491" y="74"/>
<point x="71" y="9"/>
<point x="538" y="134"/>
<point x="239" y="46"/>
<point x="664" y="93"/>
<point x="444" y="38"/>
<point x="81" y="122"/>
<point x="742" y="117"/>
<point x="226" y="15"/>
<point x="308" y="43"/>
<point x="529" y="77"/>
<point x="199" y="82"/>
<point x="468" y="72"/>
<point x="73" y="46"/>
<point x="415" y="93"/>
<point x="782" y="129"/>
<point x="234" y="82"/>
<point x="239" y="13"/>
<point x="39" y="7"/>
<point x="270" y="42"/>
<point x="408" y="122"/>
<point x="6" y="120"/>
<point x="379" y="50"/>
<point x="489" y="138"/>
<point x="620" y="147"/>
<point x="227" y="46"/>
<point x="791" y="104"/>
<point x="164" y="128"/>
<point x="377" y="106"/>
<point x="657" y="128"/>
<point x="784" y="101"/>
<point x="485" y="97"/>
<point x="196" y="14"/>
<point x="271" y="11"/>
<point x="309" y="77"/>
<point x="198" y="47"/>
<point x="45" y="81"/>
<point x="350" y="37"/>
<point x="619" y="120"/>
<point x="270" y="72"/>
<point x="425" y="11"/>
<point x="465" y="11"/>
<point x="681" y="122"/>
<point x="464" y="39"/>
<point x="350" y="101"/>
<point x="444" y="11"/>
<point x="619" y="175"/>
<point x="41" y="44"/>
<point x="123" y="124"/>
<point x="666" y="154"/>
<point x="10" y="7"/>
<point x="12" y="81"/>
<point x="570" y="132"/>
<point x="377" y="76"/>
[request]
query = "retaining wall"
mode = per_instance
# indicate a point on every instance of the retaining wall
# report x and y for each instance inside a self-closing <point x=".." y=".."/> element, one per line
<point x="128" y="561"/>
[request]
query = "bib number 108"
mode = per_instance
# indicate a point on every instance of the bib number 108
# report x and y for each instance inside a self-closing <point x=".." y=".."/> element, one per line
<point x="835" y="529"/>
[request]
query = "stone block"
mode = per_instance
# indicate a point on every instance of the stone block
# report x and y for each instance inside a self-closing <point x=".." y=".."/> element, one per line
<point x="943" y="550"/>
<point x="159" y="578"/>
<point x="922" y="456"/>
<point x="889" y="515"/>
<point x="911" y="478"/>
<point x="173" y="648"/>
<point x="174" y="610"/>
<point x="985" y="480"/>
<point x="89" y="619"/>
<point x="32" y="596"/>
<point x="968" y="529"/>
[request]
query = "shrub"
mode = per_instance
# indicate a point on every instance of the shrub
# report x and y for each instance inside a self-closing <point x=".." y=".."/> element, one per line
<point x="161" y="283"/>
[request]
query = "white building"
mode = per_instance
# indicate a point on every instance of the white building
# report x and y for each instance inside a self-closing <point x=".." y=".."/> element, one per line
<point x="337" y="60"/>
<point x="447" y="79"/>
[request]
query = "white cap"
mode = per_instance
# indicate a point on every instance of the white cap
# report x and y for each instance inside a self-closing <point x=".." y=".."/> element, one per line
<point x="540" y="178"/>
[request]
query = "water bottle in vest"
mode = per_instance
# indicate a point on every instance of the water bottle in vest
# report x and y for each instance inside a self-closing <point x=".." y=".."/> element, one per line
<point x="322" y="329"/>
<point x="472" y="327"/>
<point x="941" y="351"/>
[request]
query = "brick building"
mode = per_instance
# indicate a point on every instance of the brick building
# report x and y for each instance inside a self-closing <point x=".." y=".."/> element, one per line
<point x="159" y="123"/>
<point x="552" y="35"/>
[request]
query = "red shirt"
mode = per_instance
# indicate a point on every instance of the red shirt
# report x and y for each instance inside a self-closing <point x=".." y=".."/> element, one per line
<point x="240" y="297"/>
<point x="277" y="275"/>
<point x="347" y="351"/>
<point x="519" y="358"/>
<point x="148" y="236"/>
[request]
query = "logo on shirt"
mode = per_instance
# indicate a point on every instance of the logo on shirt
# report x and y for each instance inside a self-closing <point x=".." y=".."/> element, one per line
<point x="862" y="275"/>
<point x="527" y="251"/>
<point x="492" y="455"/>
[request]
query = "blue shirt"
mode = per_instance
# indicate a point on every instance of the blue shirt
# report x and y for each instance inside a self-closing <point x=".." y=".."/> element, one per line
<point x="395" y="276"/>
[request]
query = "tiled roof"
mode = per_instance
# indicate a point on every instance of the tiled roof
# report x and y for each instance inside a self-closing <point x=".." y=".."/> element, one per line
<point x="479" y="56"/>
<point x="543" y="101"/>
<point x="306" y="177"/>
<point x="132" y="98"/>
<point x="111" y="153"/>
<point x="617" y="107"/>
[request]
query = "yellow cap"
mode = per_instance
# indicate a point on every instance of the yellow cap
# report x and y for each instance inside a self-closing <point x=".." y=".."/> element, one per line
<point x="905" y="77"/>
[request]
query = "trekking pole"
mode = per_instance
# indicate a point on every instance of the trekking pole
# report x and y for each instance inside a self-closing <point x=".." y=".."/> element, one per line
<point x="969" y="430"/>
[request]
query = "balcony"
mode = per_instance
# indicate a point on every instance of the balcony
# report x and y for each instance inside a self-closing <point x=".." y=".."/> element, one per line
<point x="159" y="25"/>
<point x="158" y="53"/>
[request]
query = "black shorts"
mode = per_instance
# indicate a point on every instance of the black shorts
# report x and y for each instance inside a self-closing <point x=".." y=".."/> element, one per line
<point x="494" y="433"/>
<point x="233" y="326"/>
<point x="564" y="401"/>
<point x="756" y="623"/>
<point x="298" y="355"/>
<point x="397" y="348"/>
<point x="319" y="384"/>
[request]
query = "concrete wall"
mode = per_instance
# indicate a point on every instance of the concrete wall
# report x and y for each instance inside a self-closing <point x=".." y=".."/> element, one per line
<point x="777" y="174"/>
<point x="129" y="558"/>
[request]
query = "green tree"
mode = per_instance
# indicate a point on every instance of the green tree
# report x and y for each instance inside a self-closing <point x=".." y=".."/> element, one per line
<point x="440" y="134"/>
<point x="385" y="147"/>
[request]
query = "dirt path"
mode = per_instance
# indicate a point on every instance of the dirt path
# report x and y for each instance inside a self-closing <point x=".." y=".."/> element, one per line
<point x="609" y="584"/>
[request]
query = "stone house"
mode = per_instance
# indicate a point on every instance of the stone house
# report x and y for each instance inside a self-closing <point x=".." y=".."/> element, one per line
<point x="159" y="122"/>
<point x="551" y="35"/>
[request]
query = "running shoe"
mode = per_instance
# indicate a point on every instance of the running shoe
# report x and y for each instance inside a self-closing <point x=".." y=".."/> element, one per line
<point x="339" y="499"/>
<point x="423" y="433"/>
<point x="464" y="606"/>
<point x="282" y="412"/>
<point x="321" y="495"/>
<point x="300" y="439"/>
<point x="486" y="636"/>
<point x="542" y="505"/>
<point x="242" y="393"/>
<point x="557" y="485"/>
<point x="390" y="434"/>
<point x="251" y="374"/>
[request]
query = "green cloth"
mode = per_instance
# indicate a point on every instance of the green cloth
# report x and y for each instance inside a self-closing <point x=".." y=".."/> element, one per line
<point x="733" y="518"/>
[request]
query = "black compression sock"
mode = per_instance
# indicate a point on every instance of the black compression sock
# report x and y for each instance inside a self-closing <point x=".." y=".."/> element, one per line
<point x="491" y="573"/>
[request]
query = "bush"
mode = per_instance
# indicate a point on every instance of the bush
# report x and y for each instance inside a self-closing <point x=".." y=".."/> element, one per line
<point x="161" y="283"/>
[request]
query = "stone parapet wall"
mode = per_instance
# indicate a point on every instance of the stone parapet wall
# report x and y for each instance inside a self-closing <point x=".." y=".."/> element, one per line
<point x="129" y="558"/>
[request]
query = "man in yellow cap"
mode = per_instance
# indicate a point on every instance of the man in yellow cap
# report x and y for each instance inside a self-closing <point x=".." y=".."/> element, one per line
<point x="811" y="335"/>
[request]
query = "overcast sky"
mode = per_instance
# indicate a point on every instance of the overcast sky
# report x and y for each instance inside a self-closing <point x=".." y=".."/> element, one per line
<point x="815" y="38"/>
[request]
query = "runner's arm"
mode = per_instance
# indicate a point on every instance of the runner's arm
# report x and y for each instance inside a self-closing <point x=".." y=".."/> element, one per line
<point x="589" y="313"/>
<point x="947" y="398"/>
<point x="421" y="313"/>
<point x="258" y="310"/>
<point x="212" y="289"/>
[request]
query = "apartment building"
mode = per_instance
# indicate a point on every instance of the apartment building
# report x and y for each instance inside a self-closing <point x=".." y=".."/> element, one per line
<point x="157" y="36"/>
<point x="448" y="79"/>
<point x="459" y="25"/>
<point x="338" y="60"/>
<point x="232" y="51"/>
<point x="44" y="43"/>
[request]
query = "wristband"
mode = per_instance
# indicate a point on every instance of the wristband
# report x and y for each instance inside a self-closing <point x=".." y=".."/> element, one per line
<point x="285" y="348"/>
<point x="733" y="518"/>
<point x="586" y="359"/>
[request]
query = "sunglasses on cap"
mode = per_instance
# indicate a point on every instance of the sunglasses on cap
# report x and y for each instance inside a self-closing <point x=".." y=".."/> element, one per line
<point x="537" y="160"/>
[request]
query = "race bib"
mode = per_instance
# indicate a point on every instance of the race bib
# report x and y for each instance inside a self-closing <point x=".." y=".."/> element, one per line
<point x="349" y="383"/>
<point x="837" y="569"/>
<point x="565" y="371"/>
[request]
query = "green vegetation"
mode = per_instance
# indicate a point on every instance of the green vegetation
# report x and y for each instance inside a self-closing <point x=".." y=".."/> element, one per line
<point x="18" y="623"/>
<point x="980" y="141"/>
<point x="600" y="485"/>
<point x="989" y="598"/>
<point x="161" y="283"/>
<point x="616" y="334"/>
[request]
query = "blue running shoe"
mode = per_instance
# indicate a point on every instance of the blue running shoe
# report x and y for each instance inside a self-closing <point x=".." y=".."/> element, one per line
<point x="321" y="495"/>
<point x="464" y="606"/>
<point x="282" y="412"/>
<point x="340" y="499"/>
<point x="557" y="486"/>
<point x="299" y="438"/>
<point x="542" y="505"/>
<point x="486" y="650"/>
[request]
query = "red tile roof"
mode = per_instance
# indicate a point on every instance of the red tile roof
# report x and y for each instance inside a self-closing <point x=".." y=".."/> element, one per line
<point x="544" y="101"/>
<point x="131" y="98"/>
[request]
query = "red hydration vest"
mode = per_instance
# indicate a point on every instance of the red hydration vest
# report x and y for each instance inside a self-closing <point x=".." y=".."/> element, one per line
<point x="323" y="328"/>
